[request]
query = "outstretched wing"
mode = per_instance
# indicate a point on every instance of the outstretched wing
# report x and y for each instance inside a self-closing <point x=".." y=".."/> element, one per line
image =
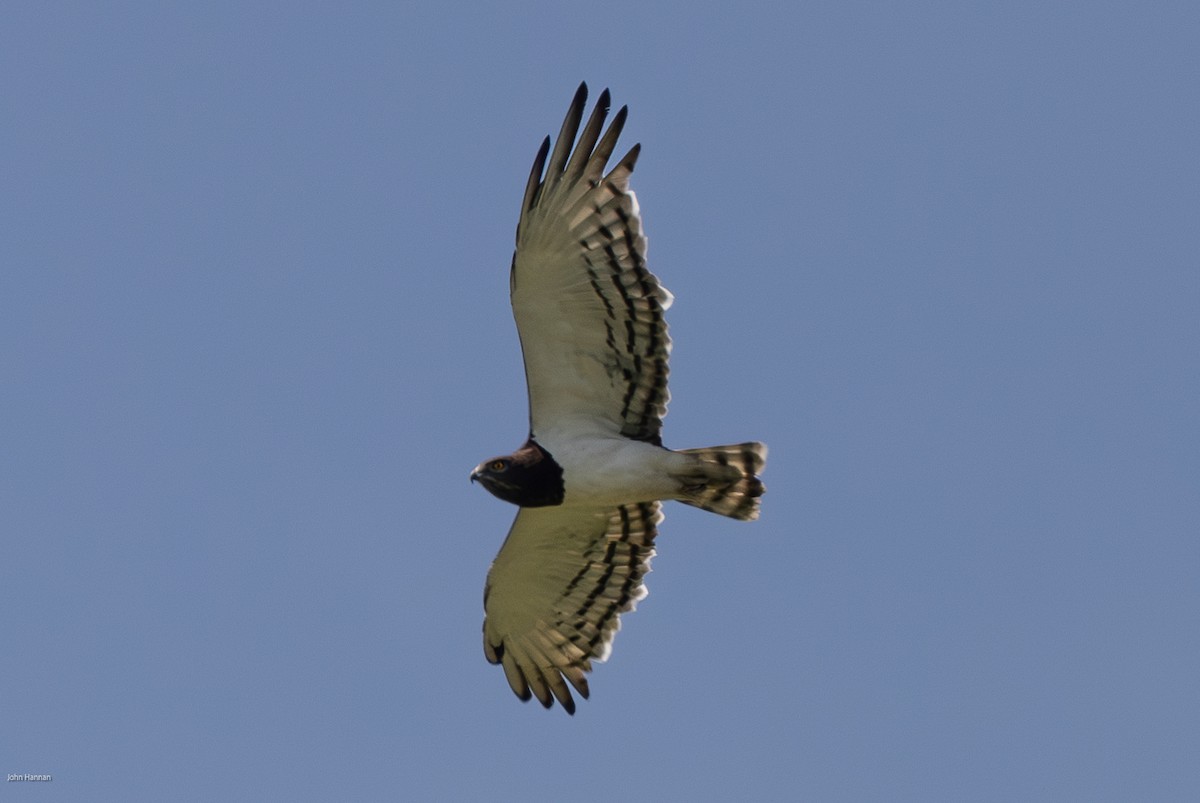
<point x="556" y="589"/>
<point x="589" y="313"/>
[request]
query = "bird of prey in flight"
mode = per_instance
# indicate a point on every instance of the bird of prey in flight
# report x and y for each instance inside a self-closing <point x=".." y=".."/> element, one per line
<point x="591" y="477"/>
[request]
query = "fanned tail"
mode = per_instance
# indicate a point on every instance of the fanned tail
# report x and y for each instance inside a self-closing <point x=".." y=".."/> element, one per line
<point x="725" y="479"/>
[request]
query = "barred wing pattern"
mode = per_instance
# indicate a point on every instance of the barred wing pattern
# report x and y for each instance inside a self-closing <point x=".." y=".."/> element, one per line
<point x="589" y="313"/>
<point x="556" y="590"/>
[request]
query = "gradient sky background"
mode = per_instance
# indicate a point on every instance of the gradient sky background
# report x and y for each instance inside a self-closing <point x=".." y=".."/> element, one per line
<point x="254" y="333"/>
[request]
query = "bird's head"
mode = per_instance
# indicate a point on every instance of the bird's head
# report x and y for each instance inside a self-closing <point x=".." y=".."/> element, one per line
<point x="493" y="474"/>
<point x="529" y="477"/>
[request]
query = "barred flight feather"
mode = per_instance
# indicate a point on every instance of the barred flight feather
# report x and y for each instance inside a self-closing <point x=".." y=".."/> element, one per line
<point x="556" y="591"/>
<point x="578" y="222"/>
<point x="737" y="494"/>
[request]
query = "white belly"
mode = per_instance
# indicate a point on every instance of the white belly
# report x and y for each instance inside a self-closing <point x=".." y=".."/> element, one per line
<point x="614" y="470"/>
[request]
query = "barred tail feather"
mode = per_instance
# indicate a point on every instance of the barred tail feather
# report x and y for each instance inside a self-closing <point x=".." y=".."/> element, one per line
<point x="725" y="480"/>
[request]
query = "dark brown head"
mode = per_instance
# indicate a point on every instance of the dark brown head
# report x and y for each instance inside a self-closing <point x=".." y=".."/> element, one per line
<point x="528" y="477"/>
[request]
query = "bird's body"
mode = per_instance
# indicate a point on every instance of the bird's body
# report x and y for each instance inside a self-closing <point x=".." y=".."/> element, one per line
<point x="611" y="470"/>
<point x="591" y="476"/>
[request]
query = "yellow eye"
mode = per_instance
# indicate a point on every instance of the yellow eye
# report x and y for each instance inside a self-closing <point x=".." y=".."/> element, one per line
<point x="497" y="465"/>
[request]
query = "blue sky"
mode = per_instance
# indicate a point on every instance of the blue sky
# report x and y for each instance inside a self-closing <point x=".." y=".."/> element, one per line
<point x="254" y="333"/>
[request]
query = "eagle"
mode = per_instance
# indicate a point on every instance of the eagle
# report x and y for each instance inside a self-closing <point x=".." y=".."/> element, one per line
<point x="593" y="473"/>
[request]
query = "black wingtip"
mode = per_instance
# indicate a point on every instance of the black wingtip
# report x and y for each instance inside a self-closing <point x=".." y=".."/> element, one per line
<point x="618" y="125"/>
<point x="580" y="95"/>
<point x="535" y="177"/>
<point x="629" y="160"/>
